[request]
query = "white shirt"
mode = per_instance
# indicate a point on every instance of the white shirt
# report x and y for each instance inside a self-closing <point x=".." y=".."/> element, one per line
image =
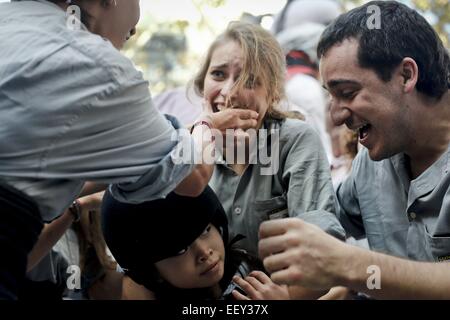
<point x="306" y="95"/>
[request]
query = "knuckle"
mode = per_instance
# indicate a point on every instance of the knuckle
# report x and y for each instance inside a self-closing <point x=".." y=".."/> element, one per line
<point x="297" y="255"/>
<point x="245" y="285"/>
<point x="268" y="264"/>
<point x="295" y="222"/>
<point x="291" y="240"/>
<point x="296" y="274"/>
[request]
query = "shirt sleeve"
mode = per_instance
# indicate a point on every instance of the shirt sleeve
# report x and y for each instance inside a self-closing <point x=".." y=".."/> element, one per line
<point x="307" y="175"/>
<point x="121" y="139"/>
<point x="349" y="213"/>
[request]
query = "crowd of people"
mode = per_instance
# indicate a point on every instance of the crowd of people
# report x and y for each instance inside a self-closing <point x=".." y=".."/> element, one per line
<point x="330" y="143"/>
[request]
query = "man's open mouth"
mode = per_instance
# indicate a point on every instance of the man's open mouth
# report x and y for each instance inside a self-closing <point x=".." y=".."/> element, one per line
<point x="363" y="131"/>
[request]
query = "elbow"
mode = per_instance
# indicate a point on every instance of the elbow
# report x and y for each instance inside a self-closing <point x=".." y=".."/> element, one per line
<point x="196" y="186"/>
<point x="195" y="192"/>
<point x="192" y="190"/>
<point x="193" y="185"/>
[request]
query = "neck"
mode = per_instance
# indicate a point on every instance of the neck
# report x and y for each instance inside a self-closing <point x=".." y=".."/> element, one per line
<point x="241" y="154"/>
<point x="62" y="5"/>
<point x="431" y="135"/>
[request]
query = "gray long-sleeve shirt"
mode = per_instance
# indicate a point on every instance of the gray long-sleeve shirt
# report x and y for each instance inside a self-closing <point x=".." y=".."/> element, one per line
<point x="74" y="109"/>
<point x="301" y="187"/>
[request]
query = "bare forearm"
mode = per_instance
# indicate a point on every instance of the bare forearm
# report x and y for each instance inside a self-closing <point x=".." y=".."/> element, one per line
<point x="50" y="235"/>
<point x="197" y="181"/>
<point x="53" y="231"/>
<point x="91" y="188"/>
<point x="399" y="278"/>
<point x="133" y="291"/>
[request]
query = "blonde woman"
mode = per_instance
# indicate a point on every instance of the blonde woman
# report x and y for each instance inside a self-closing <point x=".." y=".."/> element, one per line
<point x="73" y="109"/>
<point x="245" y="69"/>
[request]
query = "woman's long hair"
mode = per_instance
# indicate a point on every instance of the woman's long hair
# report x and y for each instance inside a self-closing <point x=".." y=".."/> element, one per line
<point x="264" y="63"/>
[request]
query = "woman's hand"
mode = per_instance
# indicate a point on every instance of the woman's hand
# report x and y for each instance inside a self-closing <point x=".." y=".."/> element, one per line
<point x="231" y="118"/>
<point x="235" y="119"/>
<point x="258" y="286"/>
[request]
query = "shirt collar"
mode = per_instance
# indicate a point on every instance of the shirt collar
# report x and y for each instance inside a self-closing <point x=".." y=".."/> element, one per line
<point x="427" y="181"/>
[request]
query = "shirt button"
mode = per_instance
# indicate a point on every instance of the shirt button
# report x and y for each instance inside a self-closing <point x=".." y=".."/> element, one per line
<point x="238" y="210"/>
<point x="412" y="216"/>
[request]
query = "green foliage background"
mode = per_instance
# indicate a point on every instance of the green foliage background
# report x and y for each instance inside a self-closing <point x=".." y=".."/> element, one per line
<point x="161" y="49"/>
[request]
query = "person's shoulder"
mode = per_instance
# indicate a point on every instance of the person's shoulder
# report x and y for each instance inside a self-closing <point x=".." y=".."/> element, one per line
<point x="291" y="124"/>
<point x="363" y="165"/>
<point x="41" y="31"/>
<point x="296" y="129"/>
<point x="105" y="56"/>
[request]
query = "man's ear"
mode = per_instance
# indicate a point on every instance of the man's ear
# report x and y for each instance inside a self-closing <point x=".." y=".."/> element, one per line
<point x="409" y="73"/>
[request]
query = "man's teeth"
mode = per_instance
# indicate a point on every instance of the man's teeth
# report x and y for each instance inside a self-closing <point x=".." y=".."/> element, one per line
<point x="360" y="127"/>
<point x="362" y="130"/>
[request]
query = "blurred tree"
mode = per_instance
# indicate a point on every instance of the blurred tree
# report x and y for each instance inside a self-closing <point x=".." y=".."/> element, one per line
<point x="160" y="49"/>
<point x="440" y="11"/>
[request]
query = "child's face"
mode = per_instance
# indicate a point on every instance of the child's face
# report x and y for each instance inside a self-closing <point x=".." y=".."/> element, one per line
<point x="201" y="265"/>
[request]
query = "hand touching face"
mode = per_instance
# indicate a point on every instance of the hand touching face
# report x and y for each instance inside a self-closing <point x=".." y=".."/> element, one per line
<point x="220" y="89"/>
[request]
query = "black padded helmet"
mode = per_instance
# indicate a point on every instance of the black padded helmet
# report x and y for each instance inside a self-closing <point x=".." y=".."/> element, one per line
<point x="138" y="235"/>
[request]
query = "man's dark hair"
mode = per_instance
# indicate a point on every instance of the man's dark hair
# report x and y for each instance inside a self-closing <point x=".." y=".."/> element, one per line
<point x="403" y="33"/>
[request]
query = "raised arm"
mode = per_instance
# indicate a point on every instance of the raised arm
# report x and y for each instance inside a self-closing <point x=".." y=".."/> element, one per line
<point x="210" y="125"/>
<point x="52" y="232"/>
